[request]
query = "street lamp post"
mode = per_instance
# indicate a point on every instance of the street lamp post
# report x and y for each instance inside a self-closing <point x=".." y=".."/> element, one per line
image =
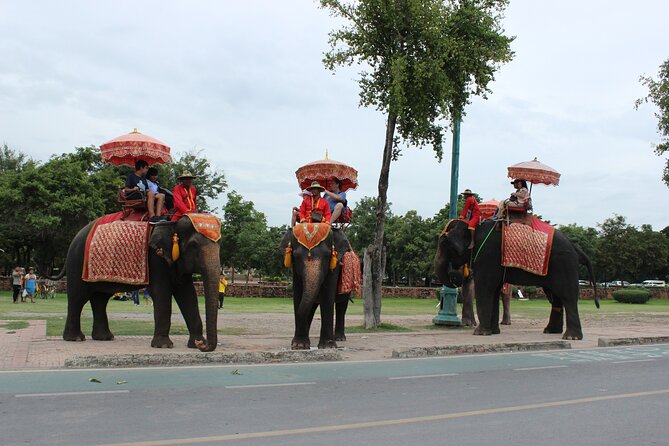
<point x="448" y="297"/>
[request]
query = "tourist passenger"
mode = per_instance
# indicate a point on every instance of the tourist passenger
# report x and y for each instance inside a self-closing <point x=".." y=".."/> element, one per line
<point x="335" y="198"/>
<point x="155" y="200"/>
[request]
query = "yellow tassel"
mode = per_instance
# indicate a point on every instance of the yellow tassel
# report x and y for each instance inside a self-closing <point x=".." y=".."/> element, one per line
<point x="333" y="258"/>
<point x="465" y="271"/>
<point x="175" y="247"/>
<point x="288" y="257"/>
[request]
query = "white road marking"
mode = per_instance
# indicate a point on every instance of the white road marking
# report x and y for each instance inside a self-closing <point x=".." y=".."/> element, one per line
<point x="254" y="386"/>
<point x="423" y="376"/>
<point x="633" y="360"/>
<point x="541" y="368"/>
<point x="94" y="392"/>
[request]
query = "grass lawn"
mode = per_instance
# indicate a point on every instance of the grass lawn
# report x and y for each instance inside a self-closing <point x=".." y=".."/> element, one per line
<point x="126" y="324"/>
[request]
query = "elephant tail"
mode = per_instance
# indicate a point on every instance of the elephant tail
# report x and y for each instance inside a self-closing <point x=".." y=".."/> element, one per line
<point x="584" y="260"/>
<point x="59" y="276"/>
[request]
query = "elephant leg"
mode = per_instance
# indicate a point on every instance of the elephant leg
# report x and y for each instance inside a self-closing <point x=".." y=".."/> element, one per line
<point x="186" y="298"/>
<point x="573" y="321"/>
<point x="326" y="339"/>
<point x="494" y="325"/>
<point x="303" y="318"/>
<point x="556" y="317"/>
<point x="162" y="318"/>
<point x="506" y="306"/>
<point x="468" y="293"/>
<point x="101" y="330"/>
<point x="340" y="319"/>
<point x="75" y="303"/>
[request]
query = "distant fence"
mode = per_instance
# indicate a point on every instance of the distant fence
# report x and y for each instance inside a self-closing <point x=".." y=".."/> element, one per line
<point x="274" y="289"/>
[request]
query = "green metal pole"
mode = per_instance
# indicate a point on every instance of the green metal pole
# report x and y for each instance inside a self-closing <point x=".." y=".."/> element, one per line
<point x="448" y="297"/>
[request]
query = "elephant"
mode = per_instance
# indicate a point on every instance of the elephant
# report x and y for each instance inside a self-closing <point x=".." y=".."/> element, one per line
<point x="167" y="278"/>
<point x="315" y="284"/>
<point x="560" y="283"/>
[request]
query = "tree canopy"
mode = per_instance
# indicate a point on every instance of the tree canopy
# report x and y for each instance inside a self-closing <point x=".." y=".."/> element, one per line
<point x="658" y="94"/>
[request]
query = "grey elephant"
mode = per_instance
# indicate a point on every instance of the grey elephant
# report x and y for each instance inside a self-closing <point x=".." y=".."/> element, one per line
<point x="168" y="277"/>
<point x="468" y="297"/>
<point x="560" y="283"/>
<point x="315" y="282"/>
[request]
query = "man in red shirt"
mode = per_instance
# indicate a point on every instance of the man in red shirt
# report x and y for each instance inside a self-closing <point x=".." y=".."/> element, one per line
<point x="315" y="204"/>
<point x="471" y="213"/>
<point x="185" y="196"/>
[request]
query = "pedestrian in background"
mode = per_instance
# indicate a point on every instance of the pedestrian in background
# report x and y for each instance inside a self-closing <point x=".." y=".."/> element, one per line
<point x="147" y="296"/>
<point x="135" y="297"/>
<point x="17" y="282"/>
<point x="31" y="284"/>
<point x="222" y="283"/>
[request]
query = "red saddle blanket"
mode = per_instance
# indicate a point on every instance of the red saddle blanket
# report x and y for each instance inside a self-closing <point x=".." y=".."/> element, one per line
<point x="310" y="235"/>
<point x="117" y="251"/>
<point x="527" y="247"/>
<point x="350" y="280"/>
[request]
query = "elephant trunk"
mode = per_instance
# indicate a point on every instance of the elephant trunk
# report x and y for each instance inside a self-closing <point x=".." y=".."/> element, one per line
<point x="210" y="261"/>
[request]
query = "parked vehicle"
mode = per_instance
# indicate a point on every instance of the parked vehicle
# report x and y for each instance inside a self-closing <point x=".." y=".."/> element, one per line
<point x="619" y="283"/>
<point x="654" y="283"/>
<point x="584" y="283"/>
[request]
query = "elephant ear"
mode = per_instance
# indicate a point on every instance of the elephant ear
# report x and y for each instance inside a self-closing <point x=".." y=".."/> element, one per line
<point x="287" y="237"/>
<point x="341" y="243"/>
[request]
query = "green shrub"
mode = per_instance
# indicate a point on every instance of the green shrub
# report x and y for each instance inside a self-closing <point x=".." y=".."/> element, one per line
<point x="635" y="296"/>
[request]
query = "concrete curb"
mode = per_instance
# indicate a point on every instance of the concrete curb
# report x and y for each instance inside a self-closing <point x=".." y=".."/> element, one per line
<point x="421" y="352"/>
<point x="613" y="342"/>
<point x="198" y="358"/>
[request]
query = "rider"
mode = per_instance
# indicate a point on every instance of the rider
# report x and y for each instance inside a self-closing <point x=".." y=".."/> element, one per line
<point x="471" y="213"/>
<point x="336" y="198"/>
<point x="520" y="199"/>
<point x="185" y="196"/>
<point x="314" y="206"/>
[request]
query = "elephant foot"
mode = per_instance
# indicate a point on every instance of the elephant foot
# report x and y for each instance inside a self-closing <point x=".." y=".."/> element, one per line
<point x="496" y="330"/>
<point x="327" y="344"/>
<point x="552" y="330"/>
<point x="300" y="344"/>
<point x="480" y="331"/>
<point x="104" y="336"/>
<point x="573" y="335"/>
<point x="74" y="337"/>
<point x="340" y="337"/>
<point x="506" y="321"/>
<point x="468" y="322"/>
<point x="196" y="342"/>
<point x="161" y="342"/>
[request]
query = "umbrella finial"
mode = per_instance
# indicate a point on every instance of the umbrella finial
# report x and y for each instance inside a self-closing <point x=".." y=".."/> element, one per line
<point x="326" y="154"/>
<point x="135" y="131"/>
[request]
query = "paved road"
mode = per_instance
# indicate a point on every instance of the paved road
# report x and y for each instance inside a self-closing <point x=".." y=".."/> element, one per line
<point x="597" y="397"/>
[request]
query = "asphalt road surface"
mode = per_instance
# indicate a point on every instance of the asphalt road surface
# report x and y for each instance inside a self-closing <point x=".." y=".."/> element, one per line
<point x="607" y="396"/>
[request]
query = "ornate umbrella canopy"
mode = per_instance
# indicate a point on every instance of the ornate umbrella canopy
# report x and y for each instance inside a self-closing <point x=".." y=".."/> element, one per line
<point x="534" y="172"/>
<point x="127" y="149"/>
<point x="488" y="208"/>
<point x="322" y="170"/>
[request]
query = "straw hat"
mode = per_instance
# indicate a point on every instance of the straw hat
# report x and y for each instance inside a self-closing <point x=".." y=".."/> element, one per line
<point x="315" y="185"/>
<point x="185" y="175"/>
<point x="468" y="192"/>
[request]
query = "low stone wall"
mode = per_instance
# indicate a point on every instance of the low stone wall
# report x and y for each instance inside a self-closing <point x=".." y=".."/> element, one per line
<point x="273" y="289"/>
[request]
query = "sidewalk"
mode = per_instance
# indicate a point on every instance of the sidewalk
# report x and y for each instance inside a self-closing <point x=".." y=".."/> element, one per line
<point x="30" y="348"/>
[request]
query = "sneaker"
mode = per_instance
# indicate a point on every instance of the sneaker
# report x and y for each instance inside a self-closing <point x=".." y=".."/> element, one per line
<point x="155" y="219"/>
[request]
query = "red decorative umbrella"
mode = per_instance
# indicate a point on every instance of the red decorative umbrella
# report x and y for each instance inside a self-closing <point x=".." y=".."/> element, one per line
<point x="534" y="172"/>
<point x="488" y="208"/>
<point x="322" y="170"/>
<point x="127" y="149"/>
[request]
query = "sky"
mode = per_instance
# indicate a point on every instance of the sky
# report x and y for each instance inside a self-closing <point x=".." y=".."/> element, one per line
<point x="244" y="83"/>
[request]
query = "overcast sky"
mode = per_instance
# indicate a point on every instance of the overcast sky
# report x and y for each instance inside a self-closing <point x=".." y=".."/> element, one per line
<point x="244" y="83"/>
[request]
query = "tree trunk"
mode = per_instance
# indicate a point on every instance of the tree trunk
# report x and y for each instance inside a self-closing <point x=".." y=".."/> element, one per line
<point x="378" y="260"/>
<point x="367" y="295"/>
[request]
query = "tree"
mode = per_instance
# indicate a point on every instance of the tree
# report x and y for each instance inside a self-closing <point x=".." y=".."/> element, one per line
<point x="425" y="59"/>
<point x="361" y="231"/>
<point x="658" y="94"/>
<point x="588" y="240"/>
<point x="210" y="182"/>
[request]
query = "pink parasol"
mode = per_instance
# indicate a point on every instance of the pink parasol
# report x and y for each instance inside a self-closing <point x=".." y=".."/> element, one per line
<point x="534" y="172"/>
<point x="488" y="208"/>
<point x="322" y="170"/>
<point x="127" y="149"/>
